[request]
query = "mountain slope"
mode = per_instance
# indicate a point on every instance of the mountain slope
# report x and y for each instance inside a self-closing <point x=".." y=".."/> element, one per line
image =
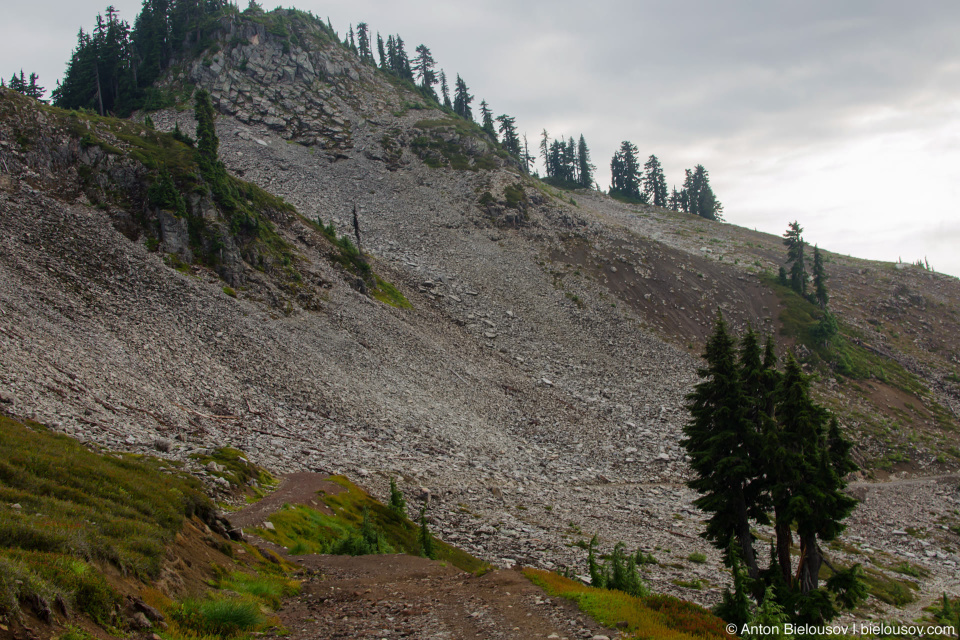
<point x="534" y="391"/>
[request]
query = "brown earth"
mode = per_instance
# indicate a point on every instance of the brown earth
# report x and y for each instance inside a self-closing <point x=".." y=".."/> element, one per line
<point x="402" y="596"/>
<point x="190" y="564"/>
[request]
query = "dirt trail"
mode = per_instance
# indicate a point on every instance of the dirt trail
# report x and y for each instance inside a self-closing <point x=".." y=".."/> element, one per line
<point x="401" y="596"/>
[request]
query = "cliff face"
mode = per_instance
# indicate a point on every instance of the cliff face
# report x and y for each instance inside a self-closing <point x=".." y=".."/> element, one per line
<point x="551" y="341"/>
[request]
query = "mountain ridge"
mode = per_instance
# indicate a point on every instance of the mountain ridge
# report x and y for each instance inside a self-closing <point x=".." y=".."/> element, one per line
<point x="532" y="371"/>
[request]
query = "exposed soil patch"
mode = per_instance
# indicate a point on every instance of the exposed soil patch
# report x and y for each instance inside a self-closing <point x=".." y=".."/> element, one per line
<point x="675" y="292"/>
<point x="296" y="488"/>
<point x="405" y="596"/>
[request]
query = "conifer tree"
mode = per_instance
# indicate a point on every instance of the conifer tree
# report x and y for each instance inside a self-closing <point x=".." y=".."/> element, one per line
<point x="351" y="41"/>
<point x="401" y="63"/>
<point x="17" y="83"/>
<point x="363" y="42"/>
<point x="585" y="169"/>
<point x="719" y="440"/>
<point x="423" y="65"/>
<point x="462" y="100"/>
<point x="625" y="171"/>
<point x="698" y="197"/>
<point x="508" y="135"/>
<point x="654" y="182"/>
<point x="674" y="200"/>
<point x="424" y="538"/>
<point x="735" y="605"/>
<point x="820" y="293"/>
<point x="445" y="90"/>
<point x="487" y="120"/>
<point x="384" y="61"/>
<point x="528" y="159"/>
<point x="397" y="502"/>
<point x="793" y="240"/>
<point x="807" y="459"/>
<point x="545" y="151"/>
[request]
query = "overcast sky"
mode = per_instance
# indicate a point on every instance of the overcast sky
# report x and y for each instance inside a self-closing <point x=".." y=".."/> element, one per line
<point x="842" y="115"/>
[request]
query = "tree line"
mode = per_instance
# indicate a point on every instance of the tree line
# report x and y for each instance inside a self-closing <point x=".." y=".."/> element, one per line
<point x="648" y="185"/>
<point x="21" y="84"/>
<point x="764" y="453"/>
<point x="114" y="67"/>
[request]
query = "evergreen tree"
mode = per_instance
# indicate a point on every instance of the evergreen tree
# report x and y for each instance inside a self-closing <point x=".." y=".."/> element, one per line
<point x="401" y="63"/>
<point x="793" y="240"/>
<point x="29" y="88"/>
<point x="598" y="573"/>
<point x="570" y="163"/>
<point x="398" y="504"/>
<point x="698" y="196"/>
<point x="17" y="83"/>
<point x="585" y="169"/>
<point x="508" y="135"/>
<point x="654" y="182"/>
<point x="735" y="605"/>
<point x="487" y="120"/>
<point x="392" y="63"/>
<point x="424" y="538"/>
<point x="625" y="171"/>
<point x="720" y="440"/>
<point x="151" y="40"/>
<point x="351" y="41"/>
<point x="528" y="159"/>
<point x="384" y="60"/>
<point x="462" y="100"/>
<point x="445" y="90"/>
<point x="423" y="65"/>
<point x="674" y="200"/>
<point x="807" y="459"/>
<point x="363" y="43"/>
<point x="545" y="152"/>
<point x="819" y="279"/>
<point x="770" y="619"/>
<point x="211" y="167"/>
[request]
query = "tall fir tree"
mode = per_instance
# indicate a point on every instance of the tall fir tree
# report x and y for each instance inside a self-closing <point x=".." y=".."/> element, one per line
<point x="625" y="171"/>
<point x="486" y="116"/>
<point x="545" y="151"/>
<point x="384" y="61"/>
<point x="363" y="43"/>
<point x="585" y="173"/>
<point x="793" y="240"/>
<point x="720" y="440"/>
<point x="654" y="182"/>
<point x="445" y="90"/>
<point x="698" y="196"/>
<point x="674" y="202"/>
<point x="423" y="65"/>
<point x="806" y="461"/>
<point x="462" y="100"/>
<point x="508" y="135"/>
<point x="820" y="293"/>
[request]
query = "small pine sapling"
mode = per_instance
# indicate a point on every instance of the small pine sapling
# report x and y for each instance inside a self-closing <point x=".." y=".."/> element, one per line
<point x="424" y="537"/>
<point x="398" y="504"/>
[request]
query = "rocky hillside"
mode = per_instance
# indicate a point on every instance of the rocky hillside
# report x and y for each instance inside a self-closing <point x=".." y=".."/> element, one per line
<point x="533" y="389"/>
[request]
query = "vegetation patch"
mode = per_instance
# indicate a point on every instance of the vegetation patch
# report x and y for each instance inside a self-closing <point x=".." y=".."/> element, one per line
<point x="653" y="616"/>
<point x="353" y="529"/>
<point x="65" y="510"/>
<point x="436" y="151"/>
<point x="834" y="345"/>
<point x="236" y="469"/>
<point x="388" y="294"/>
